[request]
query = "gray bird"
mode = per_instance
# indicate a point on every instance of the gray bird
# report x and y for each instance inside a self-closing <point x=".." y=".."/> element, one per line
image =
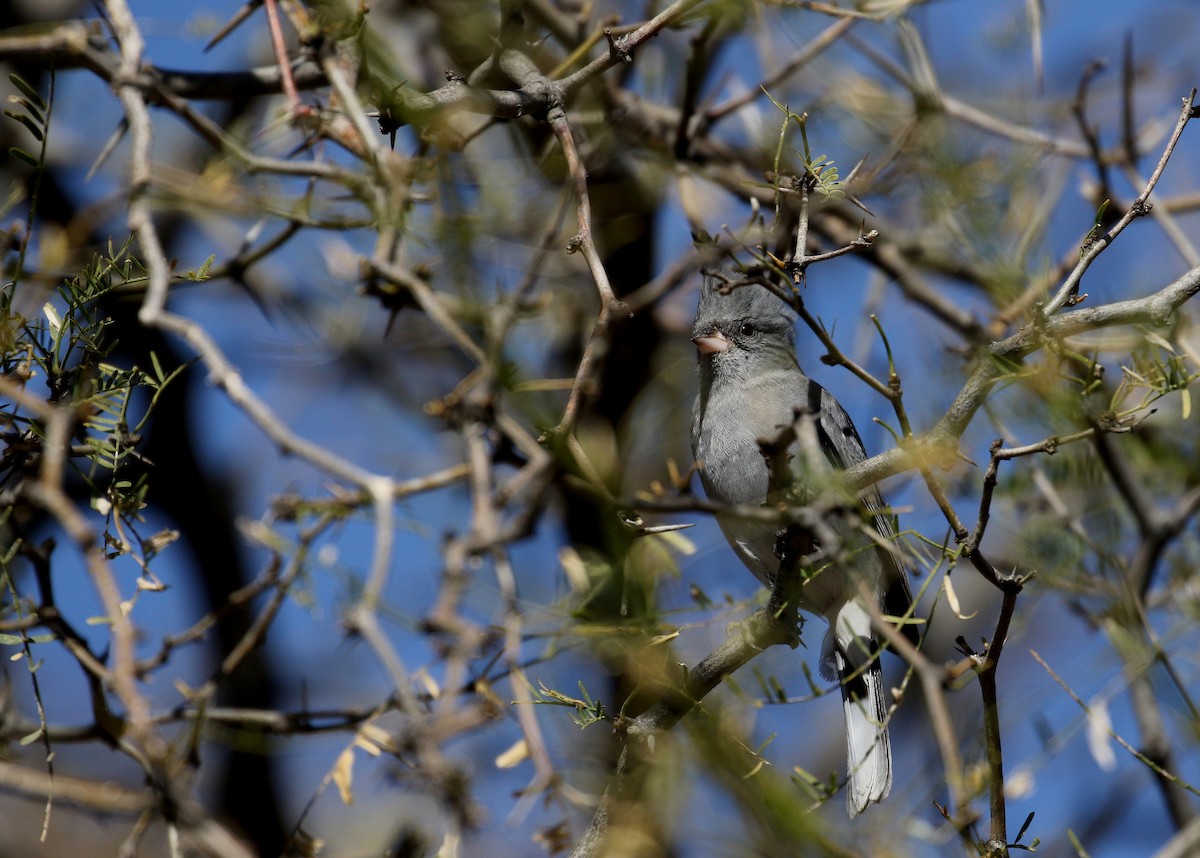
<point x="751" y="387"/>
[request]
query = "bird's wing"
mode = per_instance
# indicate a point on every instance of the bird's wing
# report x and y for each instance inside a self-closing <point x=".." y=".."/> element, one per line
<point x="843" y="447"/>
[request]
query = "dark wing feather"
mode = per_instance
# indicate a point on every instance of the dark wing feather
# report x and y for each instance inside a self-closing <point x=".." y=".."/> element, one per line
<point x="842" y="446"/>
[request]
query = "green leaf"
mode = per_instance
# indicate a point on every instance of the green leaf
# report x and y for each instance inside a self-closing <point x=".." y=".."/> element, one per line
<point x="26" y="90"/>
<point x="1024" y="828"/>
<point x="1075" y="842"/>
<point x="202" y="274"/>
<point x="22" y="155"/>
<point x="158" y="370"/>
<point x="31" y="110"/>
<point x="27" y="122"/>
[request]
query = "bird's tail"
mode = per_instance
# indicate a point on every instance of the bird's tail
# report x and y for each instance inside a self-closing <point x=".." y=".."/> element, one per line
<point x="868" y="750"/>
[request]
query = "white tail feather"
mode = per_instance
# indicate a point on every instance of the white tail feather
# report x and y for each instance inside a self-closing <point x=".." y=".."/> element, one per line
<point x="868" y="750"/>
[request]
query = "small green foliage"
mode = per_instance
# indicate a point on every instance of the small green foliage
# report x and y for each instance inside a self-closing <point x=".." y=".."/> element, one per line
<point x="31" y="114"/>
<point x="65" y="354"/>
<point x="18" y="640"/>
<point x="1077" y="844"/>
<point x="30" y="121"/>
<point x="1017" y="844"/>
<point x="201" y="274"/>
<point x="587" y="711"/>
<point x="1097" y="228"/>
<point x="1154" y="370"/>
<point x="820" y="171"/>
<point x="34" y="116"/>
<point x="816" y="790"/>
<point x="23" y="156"/>
<point x="770" y="686"/>
<point x="28" y="91"/>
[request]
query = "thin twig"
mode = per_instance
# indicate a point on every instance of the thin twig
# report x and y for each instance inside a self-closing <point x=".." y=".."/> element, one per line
<point x="1068" y="292"/>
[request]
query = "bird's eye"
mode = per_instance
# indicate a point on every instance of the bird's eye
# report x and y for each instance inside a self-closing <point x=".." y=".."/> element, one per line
<point x="747" y="329"/>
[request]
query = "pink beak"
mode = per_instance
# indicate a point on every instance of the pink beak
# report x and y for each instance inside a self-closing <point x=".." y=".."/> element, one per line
<point x="712" y="343"/>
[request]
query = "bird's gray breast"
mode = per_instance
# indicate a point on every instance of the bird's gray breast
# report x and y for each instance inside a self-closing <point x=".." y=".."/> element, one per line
<point x="727" y="424"/>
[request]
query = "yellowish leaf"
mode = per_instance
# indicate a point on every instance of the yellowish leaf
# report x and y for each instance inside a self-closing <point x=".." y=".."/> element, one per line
<point x="361" y="741"/>
<point x="343" y="773"/>
<point x="151" y="583"/>
<point x="757" y="767"/>
<point x="678" y="542"/>
<point x="160" y="540"/>
<point x="952" y="600"/>
<point x="1158" y="340"/>
<point x="574" y="568"/>
<point x="431" y="686"/>
<point x="52" y="317"/>
<point x="377" y="736"/>
<point x="513" y="756"/>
